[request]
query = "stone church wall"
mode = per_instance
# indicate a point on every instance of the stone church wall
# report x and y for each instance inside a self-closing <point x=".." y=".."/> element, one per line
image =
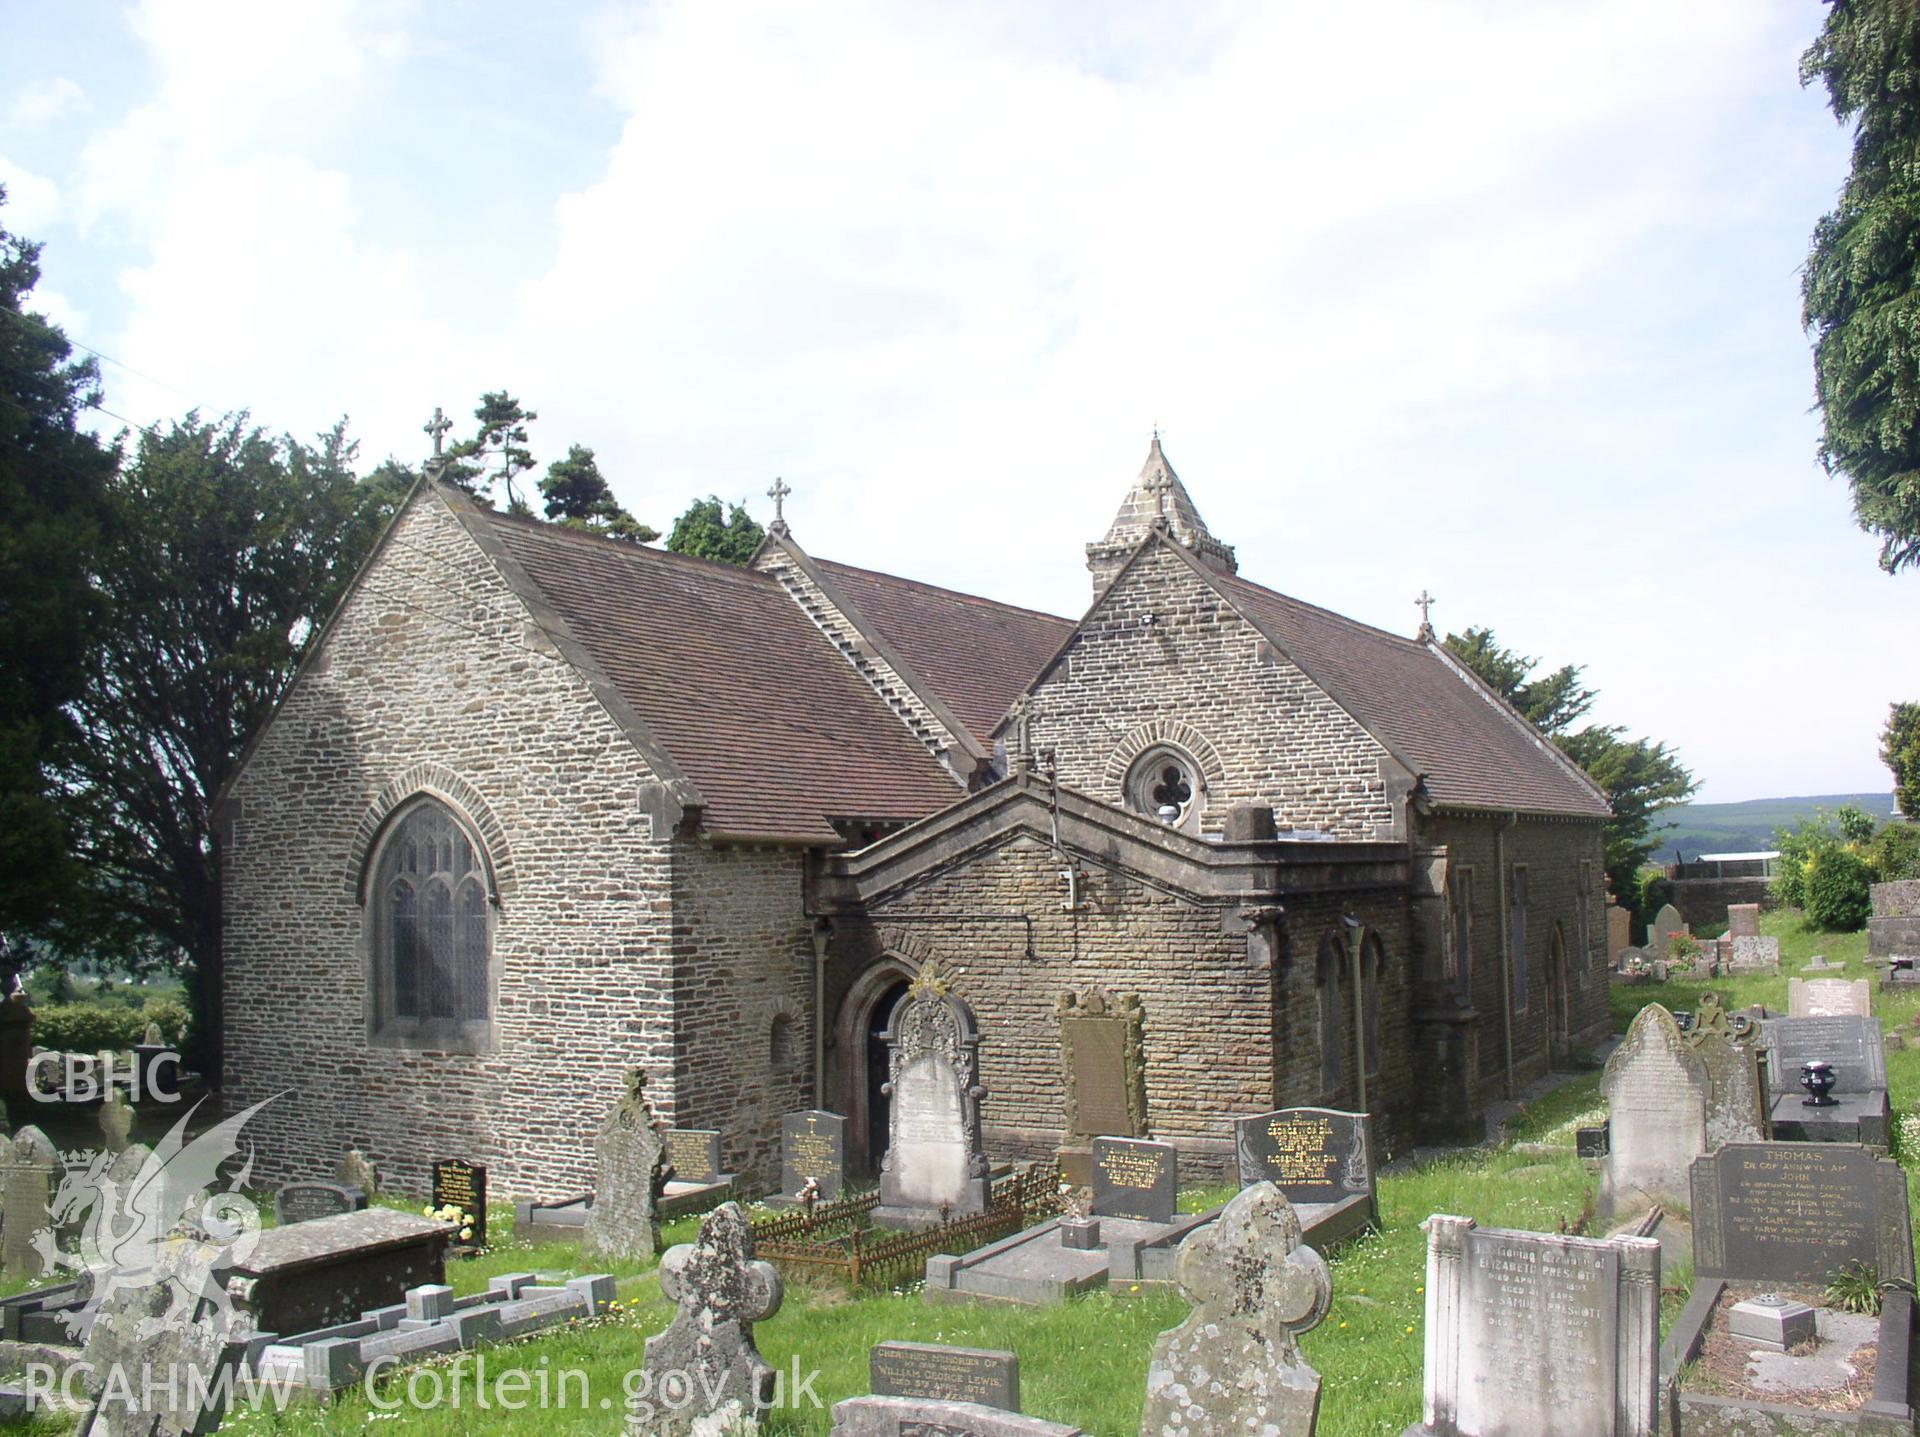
<point x="743" y="990"/>
<point x="1163" y="649"/>
<point x="433" y="673"/>
<point x="1223" y="1038"/>
<point x="1559" y="891"/>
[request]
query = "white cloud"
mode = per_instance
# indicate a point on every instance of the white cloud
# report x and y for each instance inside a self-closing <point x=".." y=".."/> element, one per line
<point x="33" y="201"/>
<point x="45" y="101"/>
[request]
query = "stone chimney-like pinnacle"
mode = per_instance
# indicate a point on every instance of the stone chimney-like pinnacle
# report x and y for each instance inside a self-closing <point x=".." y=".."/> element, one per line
<point x="1157" y="500"/>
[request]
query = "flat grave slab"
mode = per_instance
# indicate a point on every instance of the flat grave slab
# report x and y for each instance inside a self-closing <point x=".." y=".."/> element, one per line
<point x="921" y="1417"/>
<point x="333" y="1268"/>
<point x="945" y="1374"/>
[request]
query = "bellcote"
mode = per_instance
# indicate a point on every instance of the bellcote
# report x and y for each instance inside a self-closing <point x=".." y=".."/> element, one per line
<point x="1157" y="500"/>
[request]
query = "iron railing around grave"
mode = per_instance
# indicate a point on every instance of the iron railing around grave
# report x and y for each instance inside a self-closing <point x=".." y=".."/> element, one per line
<point x="824" y="1246"/>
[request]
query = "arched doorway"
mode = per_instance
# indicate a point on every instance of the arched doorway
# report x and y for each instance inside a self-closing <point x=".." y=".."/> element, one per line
<point x="858" y="1062"/>
<point x="1557" y="1040"/>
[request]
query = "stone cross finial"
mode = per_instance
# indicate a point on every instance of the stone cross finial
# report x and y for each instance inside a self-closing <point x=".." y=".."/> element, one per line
<point x="778" y="493"/>
<point x="1160" y="485"/>
<point x="1234" y="1366"/>
<point x="437" y="427"/>
<point x="720" y="1290"/>
<point x="1023" y="710"/>
<point x="1425" y="604"/>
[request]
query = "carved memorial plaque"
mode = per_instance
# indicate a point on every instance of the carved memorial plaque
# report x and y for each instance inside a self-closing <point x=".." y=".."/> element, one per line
<point x="305" y="1201"/>
<point x="1135" y="1179"/>
<point x="1313" y="1155"/>
<point x="1799" y="1212"/>
<point x="946" y="1374"/>
<point x="1104" y="1067"/>
<point x="695" y="1155"/>
<point x="934" y="1162"/>
<point x="463" y="1185"/>
<point x="813" y="1145"/>
<point x="1852" y="1044"/>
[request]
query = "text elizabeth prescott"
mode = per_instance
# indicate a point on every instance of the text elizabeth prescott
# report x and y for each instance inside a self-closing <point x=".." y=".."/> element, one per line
<point x="466" y="1381"/>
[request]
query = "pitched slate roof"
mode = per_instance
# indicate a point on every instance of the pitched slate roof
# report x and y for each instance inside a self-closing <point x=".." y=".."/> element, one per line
<point x="976" y="655"/>
<point x="775" y="730"/>
<point x="1475" y="750"/>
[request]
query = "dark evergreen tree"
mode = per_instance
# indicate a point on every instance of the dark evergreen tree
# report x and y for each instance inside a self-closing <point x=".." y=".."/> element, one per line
<point x="709" y="531"/>
<point x="578" y="496"/>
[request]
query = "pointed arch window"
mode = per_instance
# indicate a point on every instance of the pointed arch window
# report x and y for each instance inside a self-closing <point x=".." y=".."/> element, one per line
<point x="1330" y="981"/>
<point x="430" y="929"/>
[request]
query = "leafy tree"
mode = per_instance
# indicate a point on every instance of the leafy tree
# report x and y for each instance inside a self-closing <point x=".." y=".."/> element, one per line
<point x="501" y="434"/>
<point x="1900" y="751"/>
<point x="706" y="533"/>
<point x="1641" y="777"/>
<point x="226" y="551"/>
<point x="1837" y="881"/>
<point x="1860" y="291"/>
<point x="579" y="497"/>
<point x="53" y="491"/>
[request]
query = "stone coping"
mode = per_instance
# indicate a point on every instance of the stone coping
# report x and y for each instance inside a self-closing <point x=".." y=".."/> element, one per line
<point x="1888" y="1411"/>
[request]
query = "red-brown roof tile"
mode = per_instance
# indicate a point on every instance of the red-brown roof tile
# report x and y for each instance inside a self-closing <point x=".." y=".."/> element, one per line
<point x="745" y="694"/>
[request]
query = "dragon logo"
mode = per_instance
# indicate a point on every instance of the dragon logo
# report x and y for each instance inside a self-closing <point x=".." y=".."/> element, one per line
<point x="127" y="1206"/>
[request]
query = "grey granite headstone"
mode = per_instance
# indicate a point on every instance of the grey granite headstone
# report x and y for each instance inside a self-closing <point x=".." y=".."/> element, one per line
<point x="1829" y="998"/>
<point x="945" y="1374"/>
<point x="813" y="1147"/>
<point x="28" y="1165"/>
<point x="1530" y="1333"/>
<point x="1234" y="1366"/>
<point x="935" y="1163"/>
<point x="305" y="1201"/>
<point x="925" y="1417"/>
<point x="1657" y="1094"/>
<point x="1852" y="1044"/>
<point x="631" y="1161"/>
<point x="116" y="1122"/>
<point x="694" y="1154"/>
<point x="1135" y="1178"/>
<point x="1318" y="1155"/>
<point x="705" y="1364"/>
<point x="1799" y="1212"/>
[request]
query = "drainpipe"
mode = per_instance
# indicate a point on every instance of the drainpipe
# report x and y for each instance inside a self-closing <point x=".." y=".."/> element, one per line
<point x="1356" y="930"/>
<point x="1506" y="945"/>
<point x="822" y="930"/>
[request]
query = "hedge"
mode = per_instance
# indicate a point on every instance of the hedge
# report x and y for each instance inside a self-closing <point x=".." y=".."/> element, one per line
<point x="87" y="1028"/>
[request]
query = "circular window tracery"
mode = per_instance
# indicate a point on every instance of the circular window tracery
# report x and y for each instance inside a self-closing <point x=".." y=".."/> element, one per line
<point x="1164" y="784"/>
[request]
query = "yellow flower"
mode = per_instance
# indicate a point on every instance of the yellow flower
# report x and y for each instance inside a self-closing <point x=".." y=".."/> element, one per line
<point x="1343" y="1324"/>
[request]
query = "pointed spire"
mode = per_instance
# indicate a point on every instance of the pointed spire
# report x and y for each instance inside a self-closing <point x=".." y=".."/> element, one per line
<point x="1157" y="500"/>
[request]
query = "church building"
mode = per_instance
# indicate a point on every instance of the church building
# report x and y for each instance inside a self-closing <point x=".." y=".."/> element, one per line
<point x="542" y="807"/>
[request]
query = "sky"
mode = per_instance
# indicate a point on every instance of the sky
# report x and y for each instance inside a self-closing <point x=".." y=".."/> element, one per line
<point x="1498" y="300"/>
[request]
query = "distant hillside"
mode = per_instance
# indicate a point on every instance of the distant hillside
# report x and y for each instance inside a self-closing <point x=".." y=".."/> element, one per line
<point x="1697" y="828"/>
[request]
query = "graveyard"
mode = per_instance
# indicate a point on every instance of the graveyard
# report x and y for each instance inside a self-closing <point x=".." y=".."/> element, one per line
<point x="587" y="1295"/>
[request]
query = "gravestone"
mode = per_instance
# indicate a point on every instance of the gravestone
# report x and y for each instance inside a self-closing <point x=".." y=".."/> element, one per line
<point x="1893" y="932"/>
<point x="1313" y="1155"/>
<point x="116" y="1122"/>
<point x="1531" y="1333"/>
<point x="1736" y="1098"/>
<point x="1234" y="1366"/>
<point x="28" y="1164"/>
<point x="305" y="1201"/>
<point x="1799" y="1212"/>
<point x="1755" y="955"/>
<point x="1666" y="923"/>
<point x="1619" y="933"/>
<point x="1743" y="920"/>
<point x="1828" y="997"/>
<point x="330" y="1269"/>
<point x="934" y="1164"/>
<point x="1134" y="1178"/>
<point x="1103" y="1067"/>
<point x="705" y="1362"/>
<point x="630" y="1161"/>
<point x="1851" y="1043"/>
<point x="813" y="1147"/>
<point x="356" y="1172"/>
<point x="874" y="1416"/>
<point x="463" y="1185"/>
<point x="155" y="1347"/>
<point x="694" y="1155"/>
<point x="945" y="1374"/>
<point x="1657" y="1094"/>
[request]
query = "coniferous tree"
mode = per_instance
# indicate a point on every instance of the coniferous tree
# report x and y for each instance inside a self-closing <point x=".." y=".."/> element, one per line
<point x="1900" y="751"/>
<point x="578" y="496"/>
<point x="500" y="437"/>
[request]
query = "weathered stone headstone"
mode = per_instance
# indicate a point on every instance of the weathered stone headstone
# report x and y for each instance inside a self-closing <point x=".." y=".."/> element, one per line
<point x="1103" y="1066"/>
<point x="305" y="1201"/>
<point x="694" y="1155"/>
<point x="813" y="1148"/>
<point x="116" y="1122"/>
<point x="1657" y="1093"/>
<point x="1313" y="1155"/>
<point x="873" y="1416"/>
<point x="1799" y="1212"/>
<point x="945" y="1374"/>
<point x="1530" y="1333"/>
<point x="1828" y="997"/>
<point x="935" y="1163"/>
<point x="1666" y="923"/>
<point x="1136" y="1179"/>
<point x="1619" y="933"/>
<point x="463" y="1185"/>
<point x="28" y="1165"/>
<point x="152" y="1037"/>
<point x="1234" y="1366"/>
<point x="356" y="1172"/>
<point x="630" y="1159"/>
<point x="705" y="1364"/>
<point x="1893" y="932"/>
<point x="1736" y="1097"/>
<point x="1755" y="955"/>
<point x="1743" y="920"/>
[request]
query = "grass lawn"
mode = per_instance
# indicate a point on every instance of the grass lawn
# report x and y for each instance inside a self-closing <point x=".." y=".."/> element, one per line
<point x="1085" y="1362"/>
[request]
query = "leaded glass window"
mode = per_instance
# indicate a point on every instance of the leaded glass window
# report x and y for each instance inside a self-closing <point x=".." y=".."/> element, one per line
<point x="432" y="935"/>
